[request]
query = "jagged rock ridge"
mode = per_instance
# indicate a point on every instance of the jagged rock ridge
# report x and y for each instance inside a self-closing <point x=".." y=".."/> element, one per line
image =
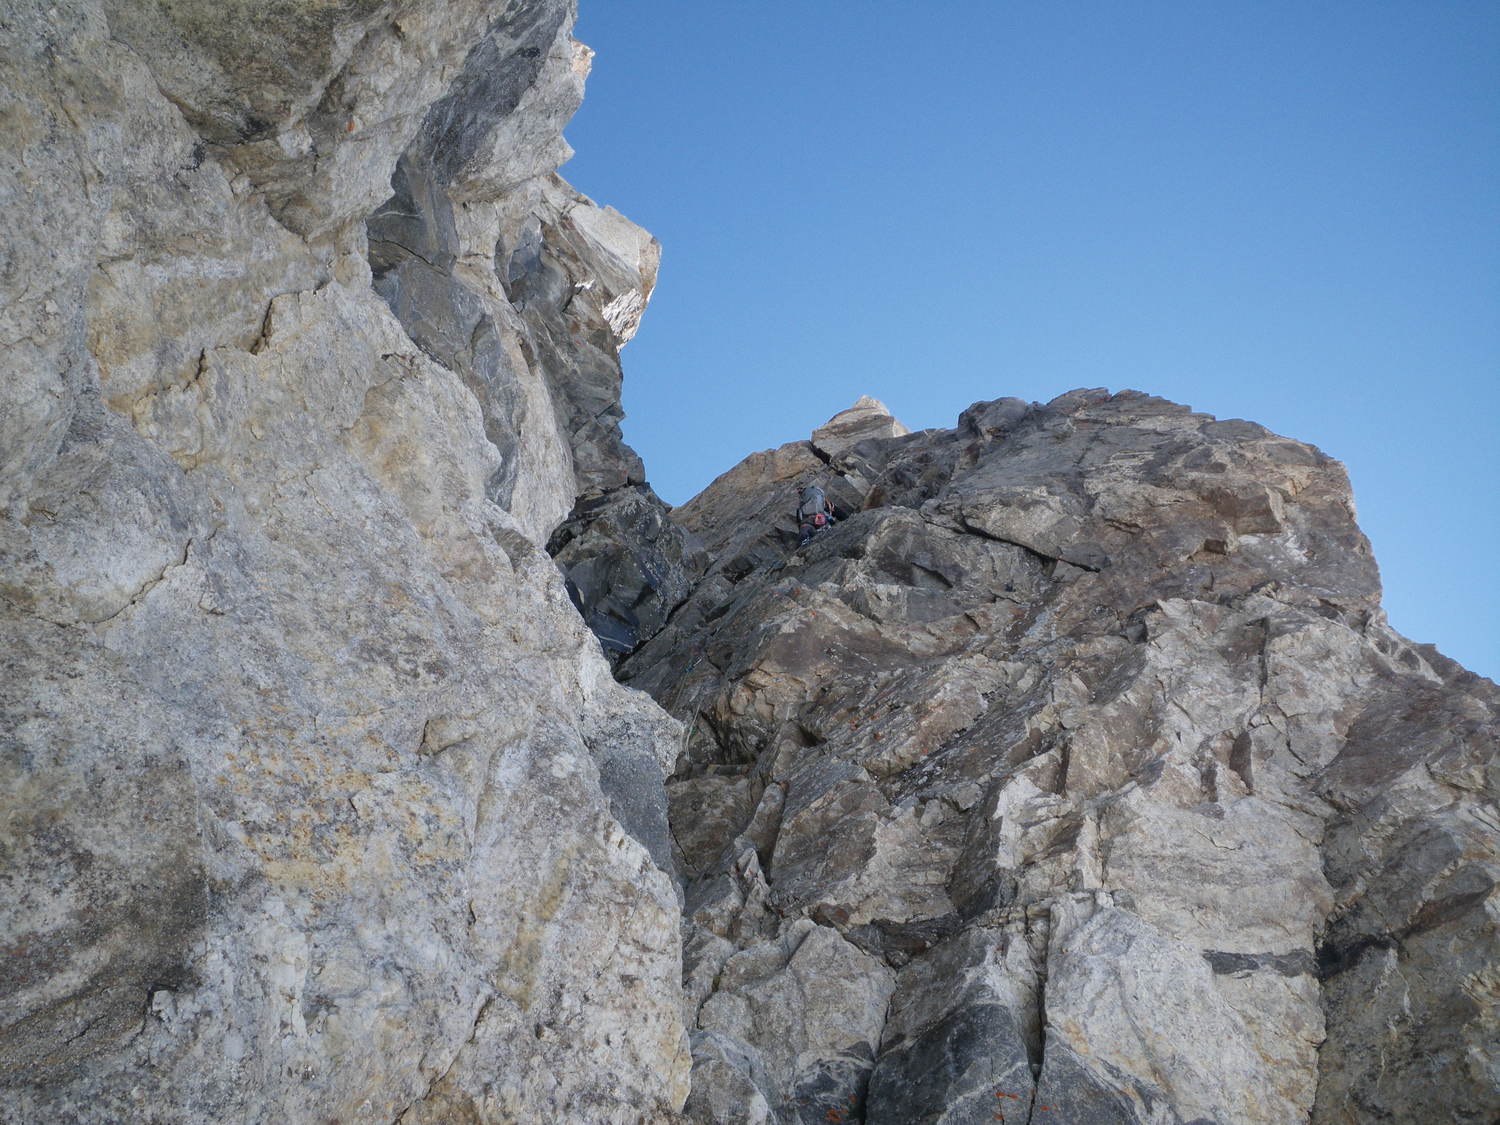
<point x="1074" y="776"/>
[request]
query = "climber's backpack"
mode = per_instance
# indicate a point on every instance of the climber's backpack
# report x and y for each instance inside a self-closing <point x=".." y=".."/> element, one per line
<point x="814" y="504"/>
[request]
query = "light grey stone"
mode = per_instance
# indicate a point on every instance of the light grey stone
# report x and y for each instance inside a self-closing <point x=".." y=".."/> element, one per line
<point x="812" y="1006"/>
<point x="868" y="419"/>
<point x="1074" y="775"/>
<point x="729" y="1083"/>
<point x="315" y="784"/>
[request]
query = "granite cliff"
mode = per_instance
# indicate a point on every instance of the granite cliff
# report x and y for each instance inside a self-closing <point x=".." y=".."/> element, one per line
<point x="320" y="802"/>
<point x="1074" y="775"/>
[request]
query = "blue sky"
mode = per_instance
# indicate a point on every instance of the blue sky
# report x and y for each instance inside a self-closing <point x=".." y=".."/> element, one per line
<point x="1286" y="212"/>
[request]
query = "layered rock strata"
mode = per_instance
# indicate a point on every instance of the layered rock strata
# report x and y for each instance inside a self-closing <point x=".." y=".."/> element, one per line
<point x="1073" y="776"/>
<point x="319" y="802"/>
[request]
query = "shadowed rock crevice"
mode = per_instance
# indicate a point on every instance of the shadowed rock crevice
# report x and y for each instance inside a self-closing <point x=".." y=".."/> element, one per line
<point x="627" y="566"/>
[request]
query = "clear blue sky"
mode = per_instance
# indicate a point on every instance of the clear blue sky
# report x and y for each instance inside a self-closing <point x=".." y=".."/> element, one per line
<point x="1287" y="212"/>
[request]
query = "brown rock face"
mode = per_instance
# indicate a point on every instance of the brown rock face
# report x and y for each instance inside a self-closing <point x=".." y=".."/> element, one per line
<point x="866" y="419"/>
<point x="1081" y="749"/>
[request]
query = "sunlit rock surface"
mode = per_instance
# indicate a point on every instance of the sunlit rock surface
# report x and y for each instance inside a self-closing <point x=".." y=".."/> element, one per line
<point x="867" y="418"/>
<point x="319" y="801"/>
<point x="1081" y="738"/>
<point x="1073" y="775"/>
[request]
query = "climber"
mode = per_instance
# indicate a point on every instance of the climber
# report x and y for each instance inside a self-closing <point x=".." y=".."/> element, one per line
<point x="814" y="513"/>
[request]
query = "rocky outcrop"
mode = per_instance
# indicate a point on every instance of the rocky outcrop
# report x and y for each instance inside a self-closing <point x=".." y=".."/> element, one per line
<point x="315" y="786"/>
<point x="868" y="419"/>
<point x="627" y="566"/>
<point x="1074" y="776"/>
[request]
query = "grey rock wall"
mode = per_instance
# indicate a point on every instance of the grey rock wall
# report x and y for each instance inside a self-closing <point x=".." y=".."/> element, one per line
<point x="1073" y="776"/>
<point x="317" y="801"/>
<point x="627" y="566"/>
<point x="1078" y="765"/>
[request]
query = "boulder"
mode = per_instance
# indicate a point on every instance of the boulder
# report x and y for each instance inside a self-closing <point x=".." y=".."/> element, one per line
<point x="867" y="419"/>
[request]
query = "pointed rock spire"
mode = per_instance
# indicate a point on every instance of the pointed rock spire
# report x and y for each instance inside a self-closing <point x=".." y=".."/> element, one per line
<point x="867" y="418"/>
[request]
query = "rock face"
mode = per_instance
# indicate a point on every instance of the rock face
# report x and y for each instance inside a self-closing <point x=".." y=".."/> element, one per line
<point x="1074" y="776"/>
<point x="627" y="565"/>
<point x="315" y="786"/>
<point x="864" y="420"/>
<point x="867" y="419"/>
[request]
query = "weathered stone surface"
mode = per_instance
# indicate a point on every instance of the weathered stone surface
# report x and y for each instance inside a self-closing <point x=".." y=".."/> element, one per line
<point x="811" y="1005"/>
<point x="1074" y="775"/>
<point x="960" y="1036"/>
<point x="867" y="419"/>
<point x="529" y="296"/>
<point x="1125" y="1002"/>
<point x="728" y="1083"/>
<point x="314" y="107"/>
<point x="1099" y="694"/>
<point x="1409" y="957"/>
<point x="314" y="784"/>
<point x="627" y="565"/>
